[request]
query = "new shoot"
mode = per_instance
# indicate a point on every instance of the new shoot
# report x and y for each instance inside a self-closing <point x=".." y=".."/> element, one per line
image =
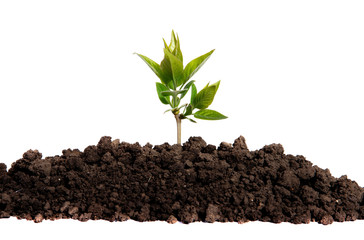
<point x="175" y="82"/>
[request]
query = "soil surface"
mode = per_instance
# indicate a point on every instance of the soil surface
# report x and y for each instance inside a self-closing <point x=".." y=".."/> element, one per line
<point x="195" y="182"/>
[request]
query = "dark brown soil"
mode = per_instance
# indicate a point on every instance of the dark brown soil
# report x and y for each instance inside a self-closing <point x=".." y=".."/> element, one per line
<point x="194" y="182"/>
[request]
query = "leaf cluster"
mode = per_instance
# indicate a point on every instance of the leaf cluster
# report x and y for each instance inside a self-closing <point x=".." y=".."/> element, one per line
<point x="175" y="82"/>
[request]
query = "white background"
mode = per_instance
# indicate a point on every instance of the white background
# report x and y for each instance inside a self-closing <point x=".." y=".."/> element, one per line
<point x="291" y="72"/>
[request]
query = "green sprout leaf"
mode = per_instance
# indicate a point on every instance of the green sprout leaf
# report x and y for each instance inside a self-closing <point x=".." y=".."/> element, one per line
<point x="204" y="98"/>
<point x="193" y="92"/>
<point x="154" y="66"/>
<point x="193" y="66"/>
<point x="167" y="93"/>
<point x="216" y="84"/>
<point x="166" y="45"/>
<point x="207" y="114"/>
<point x="174" y="47"/>
<point x="178" y="52"/>
<point x="161" y="88"/>
<point x="174" y="93"/>
<point x="187" y="87"/>
<point x="189" y="110"/>
<point x="175" y="102"/>
<point x="191" y="120"/>
<point x="173" y="44"/>
<point x="176" y="67"/>
<point x="166" y="69"/>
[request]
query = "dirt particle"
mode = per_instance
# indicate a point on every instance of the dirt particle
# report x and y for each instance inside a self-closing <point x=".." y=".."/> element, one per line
<point x="240" y="143"/>
<point x="326" y="220"/>
<point x="189" y="214"/>
<point x="2" y="169"/>
<point x="212" y="213"/>
<point x="32" y="155"/>
<point x="73" y="211"/>
<point x="5" y="198"/>
<point x="41" y="167"/>
<point x="65" y="206"/>
<point x="172" y="219"/>
<point x="38" y="218"/>
<point x="115" y="143"/>
<point x="47" y="206"/>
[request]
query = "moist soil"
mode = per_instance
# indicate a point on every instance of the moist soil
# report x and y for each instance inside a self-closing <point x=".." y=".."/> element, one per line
<point x="191" y="182"/>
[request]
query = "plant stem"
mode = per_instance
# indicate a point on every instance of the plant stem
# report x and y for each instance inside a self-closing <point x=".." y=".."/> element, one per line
<point x="174" y="101"/>
<point x="178" y="121"/>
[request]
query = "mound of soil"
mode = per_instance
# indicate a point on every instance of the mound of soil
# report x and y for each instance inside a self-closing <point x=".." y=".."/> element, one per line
<point x="194" y="182"/>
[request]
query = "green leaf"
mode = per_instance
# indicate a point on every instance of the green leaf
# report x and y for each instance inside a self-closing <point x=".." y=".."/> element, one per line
<point x="160" y="89"/>
<point x="174" y="93"/>
<point x="217" y="84"/>
<point x="182" y="92"/>
<point x="184" y="105"/>
<point x="167" y="93"/>
<point x="178" y="53"/>
<point x="175" y="104"/>
<point x="165" y="67"/>
<point x="189" y="110"/>
<point x="172" y="45"/>
<point x="178" y="101"/>
<point x="187" y="87"/>
<point x="207" y="114"/>
<point x="165" y="45"/>
<point x="204" y="98"/>
<point x="191" y="120"/>
<point x="154" y="66"/>
<point x="193" y="92"/>
<point x="193" y="66"/>
<point x="176" y="67"/>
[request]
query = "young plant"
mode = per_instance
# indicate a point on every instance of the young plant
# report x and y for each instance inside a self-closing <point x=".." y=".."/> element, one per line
<point x="175" y="82"/>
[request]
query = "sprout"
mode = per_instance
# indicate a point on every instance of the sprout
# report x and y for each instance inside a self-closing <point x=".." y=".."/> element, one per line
<point x="175" y="82"/>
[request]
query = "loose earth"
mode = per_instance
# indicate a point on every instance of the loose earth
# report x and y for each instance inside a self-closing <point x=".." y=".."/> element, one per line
<point x="117" y="181"/>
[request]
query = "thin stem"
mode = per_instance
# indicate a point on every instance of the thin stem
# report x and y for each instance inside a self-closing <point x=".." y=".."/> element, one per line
<point x="178" y="121"/>
<point x="175" y="101"/>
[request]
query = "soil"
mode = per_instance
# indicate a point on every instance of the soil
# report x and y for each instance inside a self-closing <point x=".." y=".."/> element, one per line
<point x="195" y="182"/>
